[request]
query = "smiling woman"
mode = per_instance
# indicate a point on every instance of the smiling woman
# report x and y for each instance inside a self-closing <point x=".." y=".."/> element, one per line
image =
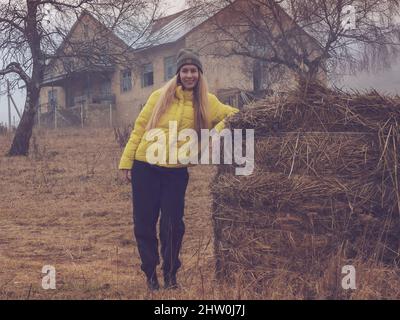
<point x="185" y="102"/>
<point x="189" y="76"/>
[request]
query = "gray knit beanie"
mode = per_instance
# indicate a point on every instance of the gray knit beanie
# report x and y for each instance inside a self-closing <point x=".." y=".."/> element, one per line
<point x="188" y="56"/>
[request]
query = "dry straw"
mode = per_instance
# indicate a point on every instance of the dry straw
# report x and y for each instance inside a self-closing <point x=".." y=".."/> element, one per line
<point x="326" y="185"/>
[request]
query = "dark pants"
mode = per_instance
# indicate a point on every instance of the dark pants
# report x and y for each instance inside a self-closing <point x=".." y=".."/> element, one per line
<point x="156" y="188"/>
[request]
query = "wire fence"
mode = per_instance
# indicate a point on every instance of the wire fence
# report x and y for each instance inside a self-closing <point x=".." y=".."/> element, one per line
<point x="54" y="116"/>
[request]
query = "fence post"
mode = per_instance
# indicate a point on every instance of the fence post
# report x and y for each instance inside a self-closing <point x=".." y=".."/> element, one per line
<point x="86" y="112"/>
<point x="111" y="124"/>
<point x="82" y="115"/>
<point x="39" y="111"/>
<point x="55" y="117"/>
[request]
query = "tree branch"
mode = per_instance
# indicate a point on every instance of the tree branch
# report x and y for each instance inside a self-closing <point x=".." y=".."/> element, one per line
<point x="63" y="4"/>
<point x="15" y="67"/>
<point x="11" y="23"/>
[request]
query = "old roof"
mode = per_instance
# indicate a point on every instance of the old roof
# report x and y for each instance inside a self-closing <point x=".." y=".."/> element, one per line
<point x="177" y="26"/>
<point x="161" y="22"/>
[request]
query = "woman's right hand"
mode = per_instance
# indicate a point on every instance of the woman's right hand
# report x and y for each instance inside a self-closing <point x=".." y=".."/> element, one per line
<point x="127" y="174"/>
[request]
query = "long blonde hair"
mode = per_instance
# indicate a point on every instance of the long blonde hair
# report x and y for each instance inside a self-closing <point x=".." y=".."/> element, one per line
<point x="200" y="103"/>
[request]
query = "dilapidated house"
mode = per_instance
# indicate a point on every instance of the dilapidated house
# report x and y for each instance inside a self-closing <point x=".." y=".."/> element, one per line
<point x="112" y="91"/>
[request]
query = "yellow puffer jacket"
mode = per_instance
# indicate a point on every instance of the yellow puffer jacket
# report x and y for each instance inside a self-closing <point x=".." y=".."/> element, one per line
<point x="181" y="111"/>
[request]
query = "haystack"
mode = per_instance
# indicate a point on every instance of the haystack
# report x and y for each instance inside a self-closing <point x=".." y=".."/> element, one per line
<point x="326" y="182"/>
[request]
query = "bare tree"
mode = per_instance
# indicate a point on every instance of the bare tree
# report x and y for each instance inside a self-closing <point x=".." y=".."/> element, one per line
<point x="307" y="36"/>
<point x="32" y="31"/>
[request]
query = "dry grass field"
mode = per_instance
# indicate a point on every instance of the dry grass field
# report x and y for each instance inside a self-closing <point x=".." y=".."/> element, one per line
<point x="66" y="205"/>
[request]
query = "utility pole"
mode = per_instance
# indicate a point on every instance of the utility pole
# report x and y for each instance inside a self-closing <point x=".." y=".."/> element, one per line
<point x="10" y="100"/>
<point x="15" y="106"/>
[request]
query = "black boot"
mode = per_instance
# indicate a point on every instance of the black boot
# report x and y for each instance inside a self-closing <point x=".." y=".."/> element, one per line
<point x="170" y="281"/>
<point x="152" y="282"/>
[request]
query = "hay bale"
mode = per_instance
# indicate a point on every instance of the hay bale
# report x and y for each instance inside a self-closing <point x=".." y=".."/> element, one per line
<point x="326" y="180"/>
<point x="302" y="193"/>
<point x="321" y="110"/>
<point x="345" y="155"/>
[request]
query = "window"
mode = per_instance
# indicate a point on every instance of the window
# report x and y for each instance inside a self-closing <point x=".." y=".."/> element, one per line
<point x="260" y="75"/>
<point x="87" y="88"/>
<point x="105" y="87"/>
<point x="52" y="98"/>
<point x="147" y="76"/>
<point x="169" y="67"/>
<point x="86" y="31"/>
<point x="68" y="65"/>
<point x="126" y="80"/>
<point x="256" y="42"/>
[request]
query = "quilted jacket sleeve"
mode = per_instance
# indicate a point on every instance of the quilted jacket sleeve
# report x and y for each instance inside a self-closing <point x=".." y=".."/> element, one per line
<point x="139" y="129"/>
<point x="220" y="112"/>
